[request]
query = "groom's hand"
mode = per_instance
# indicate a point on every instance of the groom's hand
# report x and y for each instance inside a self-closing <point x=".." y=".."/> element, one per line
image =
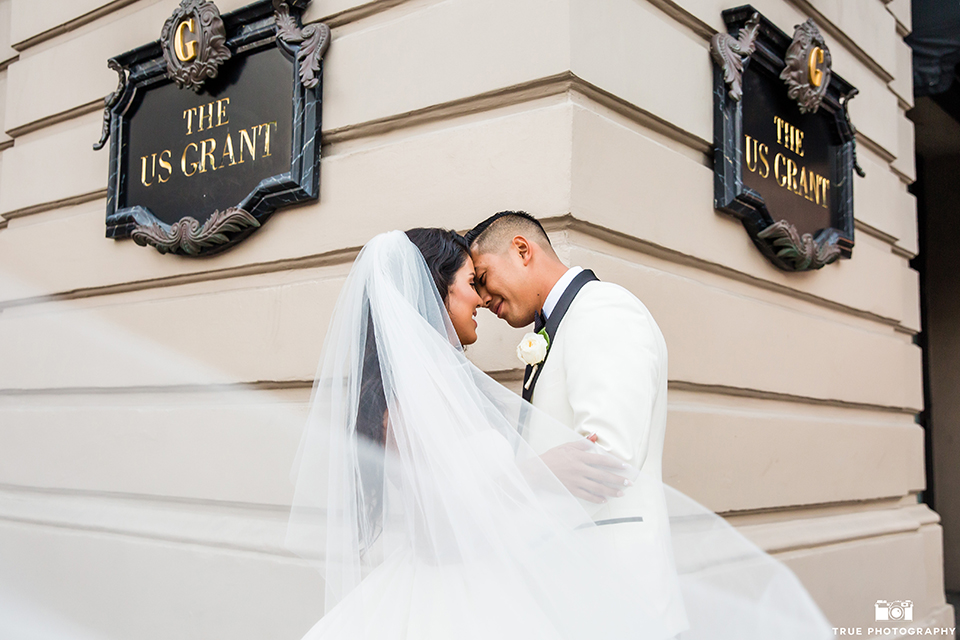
<point x="586" y="475"/>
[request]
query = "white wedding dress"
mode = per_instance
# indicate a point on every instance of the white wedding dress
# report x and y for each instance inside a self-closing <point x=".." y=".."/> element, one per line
<point x="432" y="519"/>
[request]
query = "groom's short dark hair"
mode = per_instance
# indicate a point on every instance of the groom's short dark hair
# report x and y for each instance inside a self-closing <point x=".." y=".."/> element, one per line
<point x="485" y="235"/>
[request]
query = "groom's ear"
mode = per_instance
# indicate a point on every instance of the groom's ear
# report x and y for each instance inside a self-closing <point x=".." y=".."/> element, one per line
<point x="522" y="248"/>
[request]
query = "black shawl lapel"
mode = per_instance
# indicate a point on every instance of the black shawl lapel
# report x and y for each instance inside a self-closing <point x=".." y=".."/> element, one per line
<point x="553" y="323"/>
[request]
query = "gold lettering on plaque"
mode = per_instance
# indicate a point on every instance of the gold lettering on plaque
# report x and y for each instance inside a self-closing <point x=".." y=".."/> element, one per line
<point x="757" y="151"/>
<point x="186" y="50"/>
<point x="789" y="136"/>
<point x="764" y="150"/>
<point x="788" y="173"/>
<point x="188" y="116"/>
<point x="208" y="115"/>
<point x="266" y="136"/>
<point x="248" y="142"/>
<point x="204" y="115"/>
<point x="183" y="161"/>
<point x="204" y="154"/>
<point x="228" y="151"/>
<point x="222" y="111"/>
<point x="816" y="59"/>
<point x="143" y="169"/>
<point x="165" y="164"/>
<point x="252" y="143"/>
<point x="750" y="151"/>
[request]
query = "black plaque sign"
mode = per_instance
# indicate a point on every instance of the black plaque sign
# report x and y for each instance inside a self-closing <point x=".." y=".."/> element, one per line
<point x="784" y="145"/>
<point x="214" y="126"/>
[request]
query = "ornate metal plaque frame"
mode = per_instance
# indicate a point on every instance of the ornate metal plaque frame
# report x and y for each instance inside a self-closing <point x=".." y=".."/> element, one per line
<point x="754" y="40"/>
<point x="206" y="53"/>
<point x="267" y="23"/>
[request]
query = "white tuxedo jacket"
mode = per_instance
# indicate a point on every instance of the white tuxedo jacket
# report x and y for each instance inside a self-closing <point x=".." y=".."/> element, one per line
<point x="606" y="373"/>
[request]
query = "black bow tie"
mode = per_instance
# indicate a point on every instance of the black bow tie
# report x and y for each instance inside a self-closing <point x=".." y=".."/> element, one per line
<point x="539" y="322"/>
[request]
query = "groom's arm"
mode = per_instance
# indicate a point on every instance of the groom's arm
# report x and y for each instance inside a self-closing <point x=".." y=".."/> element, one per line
<point x="612" y="361"/>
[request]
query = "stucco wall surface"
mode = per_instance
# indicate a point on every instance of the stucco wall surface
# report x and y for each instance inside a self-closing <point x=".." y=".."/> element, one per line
<point x="150" y="405"/>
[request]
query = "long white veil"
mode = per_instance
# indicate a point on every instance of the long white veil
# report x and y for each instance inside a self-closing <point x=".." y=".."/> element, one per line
<point x="431" y="517"/>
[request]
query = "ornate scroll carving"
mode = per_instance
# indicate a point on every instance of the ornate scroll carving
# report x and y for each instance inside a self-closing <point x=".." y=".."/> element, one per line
<point x="732" y="53"/>
<point x="111" y="101"/>
<point x="191" y="62"/>
<point x="188" y="236"/>
<point x="807" y="73"/>
<point x="801" y="252"/>
<point x="844" y="104"/>
<point x="313" y="41"/>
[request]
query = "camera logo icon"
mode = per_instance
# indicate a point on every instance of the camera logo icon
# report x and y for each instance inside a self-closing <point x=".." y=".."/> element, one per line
<point x="894" y="610"/>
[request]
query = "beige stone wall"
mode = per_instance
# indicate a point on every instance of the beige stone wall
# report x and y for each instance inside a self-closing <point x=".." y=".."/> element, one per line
<point x="150" y="405"/>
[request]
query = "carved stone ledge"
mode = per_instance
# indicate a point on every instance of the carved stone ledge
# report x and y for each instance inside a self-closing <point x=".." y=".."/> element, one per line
<point x="187" y="235"/>
<point x="802" y="253"/>
<point x="732" y="53"/>
<point x="310" y="42"/>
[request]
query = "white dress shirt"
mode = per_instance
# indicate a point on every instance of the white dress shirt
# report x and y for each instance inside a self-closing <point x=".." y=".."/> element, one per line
<point x="554" y="296"/>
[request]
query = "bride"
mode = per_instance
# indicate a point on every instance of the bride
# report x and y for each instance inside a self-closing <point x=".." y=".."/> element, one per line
<point x="433" y="519"/>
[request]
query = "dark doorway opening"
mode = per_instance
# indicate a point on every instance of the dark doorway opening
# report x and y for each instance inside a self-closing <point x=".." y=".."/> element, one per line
<point x="936" y="115"/>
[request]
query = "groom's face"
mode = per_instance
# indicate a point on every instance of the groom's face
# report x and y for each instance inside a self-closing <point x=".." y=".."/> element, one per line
<point x="505" y="286"/>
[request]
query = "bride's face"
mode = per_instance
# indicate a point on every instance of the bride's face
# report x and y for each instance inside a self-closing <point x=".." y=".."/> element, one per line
<point x="463" y="302"/>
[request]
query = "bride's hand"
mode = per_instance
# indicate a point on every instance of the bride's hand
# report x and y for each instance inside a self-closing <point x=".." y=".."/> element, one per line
<point x="586" y="475"/>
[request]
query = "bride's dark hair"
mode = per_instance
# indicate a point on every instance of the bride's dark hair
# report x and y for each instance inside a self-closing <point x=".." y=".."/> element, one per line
<point x="371" y="408"/>
<point x="444" y="252"/>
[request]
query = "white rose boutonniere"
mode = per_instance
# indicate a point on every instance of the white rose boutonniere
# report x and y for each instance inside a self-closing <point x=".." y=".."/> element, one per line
<point x="533" y="348"/>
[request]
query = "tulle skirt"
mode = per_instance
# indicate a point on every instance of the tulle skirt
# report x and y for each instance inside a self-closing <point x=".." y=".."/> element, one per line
<point x="406" y="598"/>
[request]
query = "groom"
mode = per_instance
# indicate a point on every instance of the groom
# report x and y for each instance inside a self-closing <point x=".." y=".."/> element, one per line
<point x="604" y="376"/>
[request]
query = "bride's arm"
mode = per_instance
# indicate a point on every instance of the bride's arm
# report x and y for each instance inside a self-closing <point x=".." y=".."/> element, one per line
<point x="578" y="466"/>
